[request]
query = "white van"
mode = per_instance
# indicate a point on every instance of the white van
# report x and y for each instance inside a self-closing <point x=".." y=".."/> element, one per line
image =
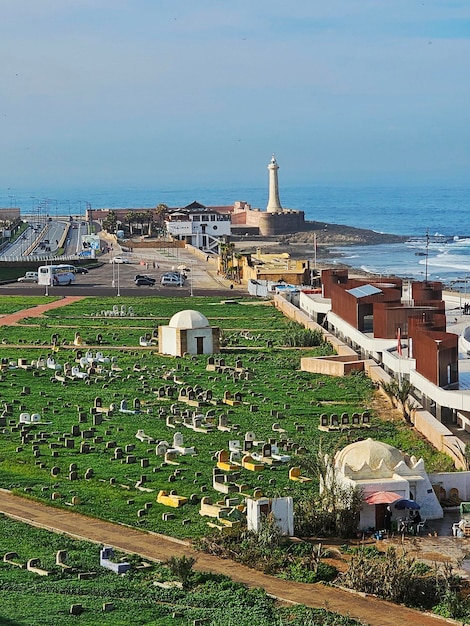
<point x="171" y="280"/>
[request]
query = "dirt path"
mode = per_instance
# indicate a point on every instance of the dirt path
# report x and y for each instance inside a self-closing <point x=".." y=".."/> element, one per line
<point x="36" y="311"/>
<point x="156" y="547"/>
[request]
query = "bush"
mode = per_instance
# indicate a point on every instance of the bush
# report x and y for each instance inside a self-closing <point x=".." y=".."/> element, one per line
<point x="300" y="574"/>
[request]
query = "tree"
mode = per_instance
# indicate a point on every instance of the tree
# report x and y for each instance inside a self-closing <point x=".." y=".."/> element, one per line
<point x="399" y="393"/>
<point x="226" y="252"/>
<point x="181" y="567"/>
<point x="161" y="212"/>
<point x="129" y="219"/>
<point x="336" y="510"/>
<point x="110" y="222"/>
<point x="149" y="218"/>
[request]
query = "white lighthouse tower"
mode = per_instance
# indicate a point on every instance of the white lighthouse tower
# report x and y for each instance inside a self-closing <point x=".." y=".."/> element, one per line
<point x="274" y="204"/>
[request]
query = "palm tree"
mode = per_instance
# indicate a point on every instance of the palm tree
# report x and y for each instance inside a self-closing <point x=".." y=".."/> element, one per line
<point x="129" y="218"/>
<point x="226" y="252"/>
<point x="161" y="212"/>
<point x="110" y="222"/>
<point x="149" y="218"/>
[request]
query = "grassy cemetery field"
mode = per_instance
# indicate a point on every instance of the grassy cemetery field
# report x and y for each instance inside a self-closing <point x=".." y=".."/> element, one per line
<point x="105" y="443"/>
<point x="67" y="584"/>
<point x="94" y="420"/>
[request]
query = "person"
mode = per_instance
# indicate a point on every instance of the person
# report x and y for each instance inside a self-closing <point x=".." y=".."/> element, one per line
<point x="415" y="520"/>
<point x="388" y="519"/>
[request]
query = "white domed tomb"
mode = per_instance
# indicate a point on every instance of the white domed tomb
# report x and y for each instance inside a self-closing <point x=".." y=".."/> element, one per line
<point x="188" y="332"/>
<point x="375" y="466"/>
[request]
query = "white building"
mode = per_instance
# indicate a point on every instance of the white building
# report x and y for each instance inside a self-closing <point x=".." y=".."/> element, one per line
<point x="374" y="467"/>
<point x="188" y="332"/>
<point x="199" y="226"/>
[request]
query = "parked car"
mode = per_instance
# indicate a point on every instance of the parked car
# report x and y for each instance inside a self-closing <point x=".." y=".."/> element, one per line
<point x="145" y="280"/>
<point x="80" y="270"/>
<point x="171" y="279"/>
<point x="119" y="259"/>
<point x="137" y="276"/>
<point x="178" y="275"/>
<point x="29" y="277"/>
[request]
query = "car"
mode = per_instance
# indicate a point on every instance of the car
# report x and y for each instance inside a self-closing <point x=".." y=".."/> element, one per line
<point x="29" y="277"/>
<point x="167" y="279"/>
<point x="178" y="275"/>
<point x="119" y="259"/>
<point x="137" y="276"/>
<point x="80" y="270"/>
<point x="145" y="280"/>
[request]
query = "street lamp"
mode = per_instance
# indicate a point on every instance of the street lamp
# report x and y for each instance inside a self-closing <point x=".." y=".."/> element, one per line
<point x="118" y="286"/>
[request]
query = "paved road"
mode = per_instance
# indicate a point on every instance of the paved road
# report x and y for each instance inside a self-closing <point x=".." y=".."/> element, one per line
<point x="112" y="279"/>
<point x="156" y="547"/>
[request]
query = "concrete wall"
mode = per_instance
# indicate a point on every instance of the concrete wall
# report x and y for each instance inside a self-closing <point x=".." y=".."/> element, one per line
<point x="332" y="365"/>
<point x="452" y="480"/>
<point x="205" y="333"/>
<point x="167" y="340"/>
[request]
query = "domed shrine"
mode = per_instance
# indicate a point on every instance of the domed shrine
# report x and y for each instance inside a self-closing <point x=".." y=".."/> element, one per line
<point x="188" y="332"/>
<point x="379" y="468"/>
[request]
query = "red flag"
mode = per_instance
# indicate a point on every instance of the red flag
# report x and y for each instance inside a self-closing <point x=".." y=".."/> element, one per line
<point x="399" y="342"/>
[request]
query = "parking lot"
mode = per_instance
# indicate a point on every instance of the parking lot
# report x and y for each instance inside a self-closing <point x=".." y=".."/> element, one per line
<point x="119" y="278"/>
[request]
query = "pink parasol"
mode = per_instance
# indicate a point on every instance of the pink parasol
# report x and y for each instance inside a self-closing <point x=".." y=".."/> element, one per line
<point x="382" y="497"/>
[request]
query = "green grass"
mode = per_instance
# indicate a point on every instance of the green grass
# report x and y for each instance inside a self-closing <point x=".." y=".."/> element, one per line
<point x="275" y="391"/>
<point x="274" y="386"/>
<point x="29" y="599"/>
<point x="12" y="304"/>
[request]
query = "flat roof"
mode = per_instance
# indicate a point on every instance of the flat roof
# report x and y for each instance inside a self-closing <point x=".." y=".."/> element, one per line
<point x="363" y="291"/>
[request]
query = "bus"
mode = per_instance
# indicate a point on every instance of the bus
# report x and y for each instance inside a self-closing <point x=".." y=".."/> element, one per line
<point x="56" y="275"/>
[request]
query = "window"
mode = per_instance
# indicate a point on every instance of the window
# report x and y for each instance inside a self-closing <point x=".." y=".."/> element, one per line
<point x="205" y="218"/>
<point x="212" y="218"/>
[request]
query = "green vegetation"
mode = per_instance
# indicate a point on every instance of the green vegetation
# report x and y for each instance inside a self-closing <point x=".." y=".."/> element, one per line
<point x="399" y="578"/>
<point x="29" y="599"/>
<point x="12" y="304"/>
<point x="270" y="552"/>
<point x="274" y="391"/>
<point x="96" y="462"/>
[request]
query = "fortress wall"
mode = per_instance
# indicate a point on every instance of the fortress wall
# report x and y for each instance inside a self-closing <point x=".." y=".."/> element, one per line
<point x="271" y="223"/>
<point x="281" y="223"/>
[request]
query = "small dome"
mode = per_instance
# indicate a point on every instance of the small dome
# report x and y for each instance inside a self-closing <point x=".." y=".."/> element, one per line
<point x="189" y="319"/>
<point x="369" y="452"/>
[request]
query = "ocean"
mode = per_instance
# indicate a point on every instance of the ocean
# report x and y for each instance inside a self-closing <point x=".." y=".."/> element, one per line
<point x="442" y="212"/>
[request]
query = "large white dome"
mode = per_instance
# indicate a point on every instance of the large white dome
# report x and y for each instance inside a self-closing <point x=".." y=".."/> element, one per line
<point x="189" y="319"/>
<point x="369" y="452"/>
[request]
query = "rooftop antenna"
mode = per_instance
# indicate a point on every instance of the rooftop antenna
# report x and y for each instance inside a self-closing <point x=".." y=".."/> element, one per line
<point x="427" y="253"/>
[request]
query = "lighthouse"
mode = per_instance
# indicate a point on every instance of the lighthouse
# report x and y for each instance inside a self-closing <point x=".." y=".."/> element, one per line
<point x="274" y="204"/>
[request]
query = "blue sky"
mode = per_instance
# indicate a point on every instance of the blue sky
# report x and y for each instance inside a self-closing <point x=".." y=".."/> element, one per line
<point x="172" y="92"/>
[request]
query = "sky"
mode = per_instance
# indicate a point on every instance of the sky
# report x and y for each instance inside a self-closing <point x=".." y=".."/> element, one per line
<point x="110" y="93"/>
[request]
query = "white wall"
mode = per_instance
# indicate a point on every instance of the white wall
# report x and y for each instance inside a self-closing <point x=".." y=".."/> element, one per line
<point x="168" y="336"/>
<point x="199" y="332"/>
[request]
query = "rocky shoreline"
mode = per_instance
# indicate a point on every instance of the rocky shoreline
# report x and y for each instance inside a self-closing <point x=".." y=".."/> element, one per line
<point x="339" y="235"/>
<point x="301" y="245"/>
